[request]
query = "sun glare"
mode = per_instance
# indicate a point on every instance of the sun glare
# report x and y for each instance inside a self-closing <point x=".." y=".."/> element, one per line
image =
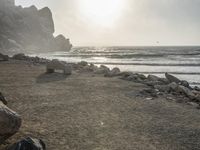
<point x="101" y="12"/>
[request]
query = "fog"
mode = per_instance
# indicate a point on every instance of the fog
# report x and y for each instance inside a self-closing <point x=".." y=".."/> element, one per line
<point x="143" y="22"/>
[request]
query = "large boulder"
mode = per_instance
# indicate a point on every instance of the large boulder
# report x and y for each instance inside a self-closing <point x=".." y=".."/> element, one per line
<point x="114" y="72"/>
<point x="58" y="65"/>
<point x="102" y="70"/>
<point x="172" y="78"/>
<point x="28" y="144"/>
<point x="10" y="122"/>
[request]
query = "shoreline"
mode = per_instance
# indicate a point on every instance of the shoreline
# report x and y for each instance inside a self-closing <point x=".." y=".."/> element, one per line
<point x="95" y="105"/>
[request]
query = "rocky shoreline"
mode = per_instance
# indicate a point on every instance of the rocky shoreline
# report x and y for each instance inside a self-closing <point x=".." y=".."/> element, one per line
<point x="170" y="87"/>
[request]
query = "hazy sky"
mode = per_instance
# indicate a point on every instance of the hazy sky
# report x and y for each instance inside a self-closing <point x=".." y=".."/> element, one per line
<point x="125" y="22"/>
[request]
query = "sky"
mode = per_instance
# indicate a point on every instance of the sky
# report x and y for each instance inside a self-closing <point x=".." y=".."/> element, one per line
<point x="124" y="22"/>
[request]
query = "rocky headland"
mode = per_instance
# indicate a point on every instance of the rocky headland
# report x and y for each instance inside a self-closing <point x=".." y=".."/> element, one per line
<point x="28" y="30"/>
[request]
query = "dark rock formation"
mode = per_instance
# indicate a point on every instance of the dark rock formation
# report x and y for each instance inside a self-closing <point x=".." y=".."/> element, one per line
<point x="28" y="144"/>
<point x="28" y="29"/>
<point x="10" y="122"/>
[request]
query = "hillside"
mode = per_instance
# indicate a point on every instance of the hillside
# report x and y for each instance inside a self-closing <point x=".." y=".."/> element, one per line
<point x="28" y="30"/>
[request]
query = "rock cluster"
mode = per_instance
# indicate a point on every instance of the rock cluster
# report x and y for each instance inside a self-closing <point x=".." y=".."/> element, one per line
<point x="170" y="86"/>
<point x="36" y="59"/>
<point x="28" y="29"/>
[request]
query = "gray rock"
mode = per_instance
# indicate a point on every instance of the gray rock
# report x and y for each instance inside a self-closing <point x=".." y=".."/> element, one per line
<point x="173" y="86"/>
<point x="141" y="76"/>
<point x="196" y="88"/>
<point x="164" y="80"/>
<point x="102" y="70"/>
<point x="82" y="63"/>
<point x="10" y="122"/>
<point x="162" y="88"/>
<point x="28" y="144"/>
<point x="58" y="65"/>
<point x="185" y="84"/>
<point x="114" y="72"/>
<point x="153" y="83"/>
<point x="172" y="78"/>
<point x="186" y="91"/>
<point x="153" y="78"/>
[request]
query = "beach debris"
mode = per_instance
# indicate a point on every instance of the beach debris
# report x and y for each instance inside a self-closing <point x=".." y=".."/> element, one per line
<point x="10" y="122"/>
<point x="2" y="98"/>
<point x="114" y="72"/>
<point x="28" y="144"/>
<point x="58" y="65"/>
<point x="172" y="78"/>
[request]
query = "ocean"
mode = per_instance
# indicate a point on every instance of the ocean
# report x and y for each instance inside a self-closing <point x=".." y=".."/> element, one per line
<point x="181" y="61"/>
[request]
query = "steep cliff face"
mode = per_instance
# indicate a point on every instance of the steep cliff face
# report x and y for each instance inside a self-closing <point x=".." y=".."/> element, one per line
<point x="28" y="30"/>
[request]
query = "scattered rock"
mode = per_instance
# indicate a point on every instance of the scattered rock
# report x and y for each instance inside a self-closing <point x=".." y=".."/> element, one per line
<point x="10" y="122"/>
<point x="28" y="144"/>
<point x="172" y="78"/>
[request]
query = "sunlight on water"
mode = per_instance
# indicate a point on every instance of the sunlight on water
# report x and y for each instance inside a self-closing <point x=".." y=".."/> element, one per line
<point x="182" y="61"/>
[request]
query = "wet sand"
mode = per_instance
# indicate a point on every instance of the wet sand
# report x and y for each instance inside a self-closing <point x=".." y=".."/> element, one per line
<point x="90" y="112"/>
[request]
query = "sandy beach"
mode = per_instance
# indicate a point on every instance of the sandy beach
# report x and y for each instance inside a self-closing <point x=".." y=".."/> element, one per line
<point x="86" y="111"/>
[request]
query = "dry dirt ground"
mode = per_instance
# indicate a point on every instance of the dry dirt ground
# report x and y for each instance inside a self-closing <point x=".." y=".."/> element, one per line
<point x="90" y="112"/>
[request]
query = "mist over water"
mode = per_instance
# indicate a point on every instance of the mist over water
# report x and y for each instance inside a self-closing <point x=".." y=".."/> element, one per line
<point x="183" y="62"/>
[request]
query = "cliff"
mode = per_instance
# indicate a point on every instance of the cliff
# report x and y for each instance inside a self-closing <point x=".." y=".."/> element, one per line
<point x="28" y="30"/>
